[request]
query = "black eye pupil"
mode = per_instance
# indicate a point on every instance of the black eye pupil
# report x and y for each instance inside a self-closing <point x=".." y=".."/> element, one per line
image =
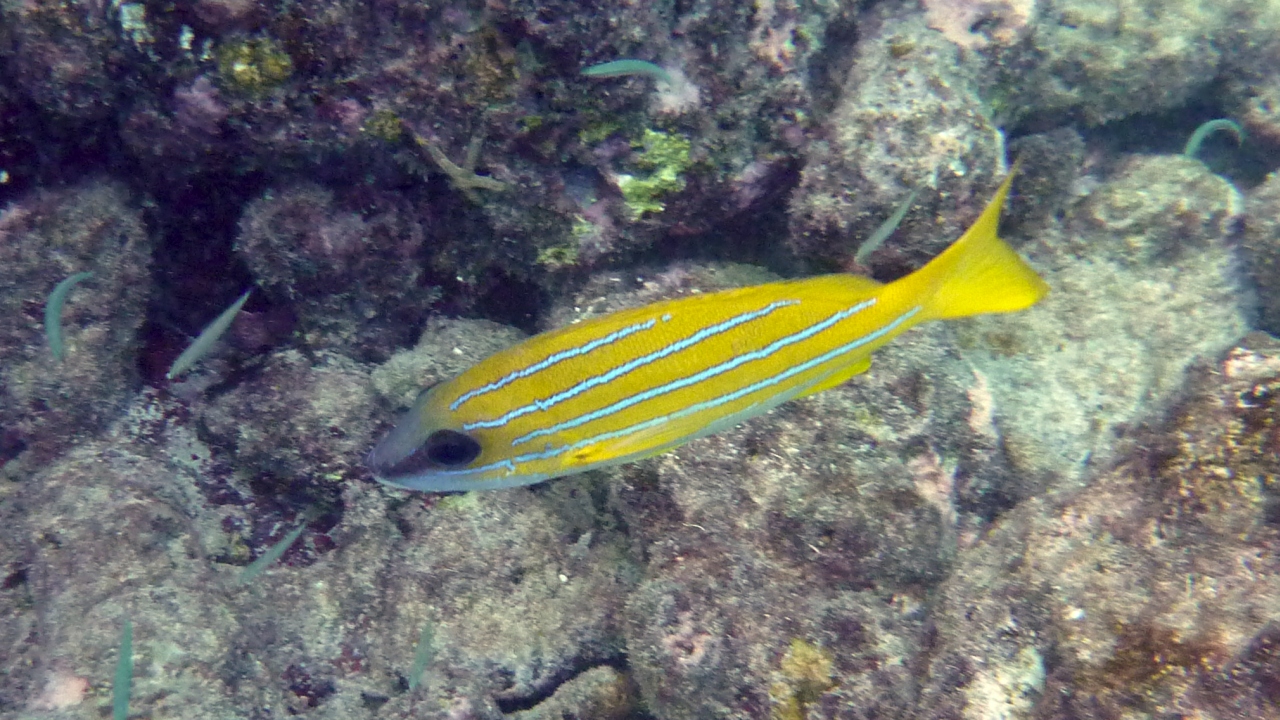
<point x="451" y="448"/>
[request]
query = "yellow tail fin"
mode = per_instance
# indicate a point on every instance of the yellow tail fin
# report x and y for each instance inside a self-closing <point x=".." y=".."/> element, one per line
<point x="979" y="273"/>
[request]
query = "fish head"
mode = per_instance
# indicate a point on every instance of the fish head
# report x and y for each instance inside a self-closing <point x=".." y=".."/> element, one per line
<point x="430" y="449"/>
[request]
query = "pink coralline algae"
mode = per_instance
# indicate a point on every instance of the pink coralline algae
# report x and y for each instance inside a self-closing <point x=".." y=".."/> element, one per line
<point x="976" y="24"/>
<point x="350" y="276"/>
<point x="198" y="107"/>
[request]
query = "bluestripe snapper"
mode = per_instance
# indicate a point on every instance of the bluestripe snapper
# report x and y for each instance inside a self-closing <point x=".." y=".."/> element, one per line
<point x="638" y="382"/>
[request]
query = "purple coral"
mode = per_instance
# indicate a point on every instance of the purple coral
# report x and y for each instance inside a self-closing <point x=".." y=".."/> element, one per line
<point x="198" y="107"/>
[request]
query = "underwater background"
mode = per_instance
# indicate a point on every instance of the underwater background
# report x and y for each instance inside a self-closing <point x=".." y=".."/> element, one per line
<point x="1068" y="512"/>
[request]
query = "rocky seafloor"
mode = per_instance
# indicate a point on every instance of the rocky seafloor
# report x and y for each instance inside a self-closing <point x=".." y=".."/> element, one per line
<point x="1070" y="512"/>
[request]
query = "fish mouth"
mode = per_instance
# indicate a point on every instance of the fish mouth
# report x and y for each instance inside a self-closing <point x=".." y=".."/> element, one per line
<point x="414" y="450"/>
<point x="414" y="464"/>
<point x="394" y="455"/>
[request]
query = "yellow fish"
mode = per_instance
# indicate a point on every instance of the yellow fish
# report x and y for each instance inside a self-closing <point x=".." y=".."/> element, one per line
<point x="638" y="382"/>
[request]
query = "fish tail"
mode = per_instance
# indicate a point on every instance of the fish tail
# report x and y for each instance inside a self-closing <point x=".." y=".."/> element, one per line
<point x="979" y="273"/>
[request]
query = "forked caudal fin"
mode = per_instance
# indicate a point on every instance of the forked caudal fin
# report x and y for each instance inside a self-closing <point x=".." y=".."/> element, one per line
<point x="979" y="273"/>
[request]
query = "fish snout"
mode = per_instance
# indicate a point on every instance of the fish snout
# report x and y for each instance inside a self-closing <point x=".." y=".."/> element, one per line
<point x="411" y="450"/>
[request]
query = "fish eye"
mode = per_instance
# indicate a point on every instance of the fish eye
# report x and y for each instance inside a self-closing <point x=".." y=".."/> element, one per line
<point x="451" y="448"/>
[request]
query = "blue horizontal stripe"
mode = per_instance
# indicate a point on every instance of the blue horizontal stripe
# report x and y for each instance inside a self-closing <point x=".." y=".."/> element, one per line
<point x="741" y="392"/>
<point x="706" y="374"/>
<point x="554" y="358"/>
<point x="512" y="464"/>
<point x="630" y="365"/>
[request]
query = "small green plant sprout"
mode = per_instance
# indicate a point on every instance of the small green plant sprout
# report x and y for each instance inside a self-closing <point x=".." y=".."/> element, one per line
<point x="1206" y="129"/>
<point x="886" y="229"/>
<point x="53" y="313"/>
<point x="621" y="68"/>
<point x="207" y="338"/>
<point x="268" y="558"/>
<point x="423" y="655"/>
<point x="121" y="687"/>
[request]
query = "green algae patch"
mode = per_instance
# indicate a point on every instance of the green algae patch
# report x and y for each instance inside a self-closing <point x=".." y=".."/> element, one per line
<point x="598" y="132"/>
<point x="558" y="257"/>
<point x="384" y="125"/>
<point x="666" y="158"/>
<point x="805" y="672"/>
<point x="254" y="66"/>
<point x="464" y="503"/>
